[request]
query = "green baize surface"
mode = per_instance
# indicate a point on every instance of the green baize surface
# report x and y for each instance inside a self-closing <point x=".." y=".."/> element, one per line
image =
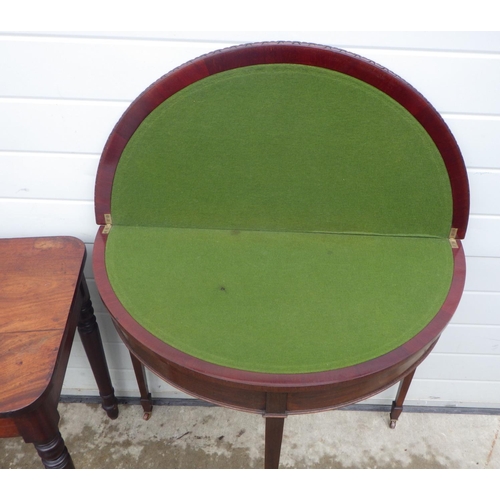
<point x="278" y="302"/>
<point x="281" y="219"/>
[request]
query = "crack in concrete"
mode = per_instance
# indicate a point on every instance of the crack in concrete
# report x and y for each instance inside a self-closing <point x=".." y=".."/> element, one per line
<point x="490" y="454"/>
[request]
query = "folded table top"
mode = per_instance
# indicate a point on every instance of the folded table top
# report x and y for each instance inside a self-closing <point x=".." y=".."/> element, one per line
<point x="283" y="147"/>
<point x="281" y="209"/>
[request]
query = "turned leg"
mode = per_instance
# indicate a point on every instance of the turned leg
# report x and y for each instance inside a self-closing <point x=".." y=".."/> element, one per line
<point x="397" y="404"/>
<point x="92" y="343"/>
<point x="54" y="453"/>
<point x="140" y="375"/>
<point x="275" y="419"/>
<point x="41" y="427"/>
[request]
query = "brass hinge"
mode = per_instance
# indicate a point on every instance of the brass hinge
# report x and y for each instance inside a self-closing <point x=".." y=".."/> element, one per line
<point x="108" y="221"/>
<point x="453" y="237"/>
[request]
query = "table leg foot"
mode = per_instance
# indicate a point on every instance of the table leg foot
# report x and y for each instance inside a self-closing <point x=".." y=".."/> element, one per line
<point x="110" y="405"/>
<point x="140" y="375"/>
<point x="54" y="454"/>
<point x="92" y="343"/>
<point x="397" y="404"/>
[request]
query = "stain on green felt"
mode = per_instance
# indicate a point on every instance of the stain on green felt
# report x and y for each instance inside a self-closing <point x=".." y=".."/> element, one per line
<point x="278" y="302"/>
<point x="283" y="147"/>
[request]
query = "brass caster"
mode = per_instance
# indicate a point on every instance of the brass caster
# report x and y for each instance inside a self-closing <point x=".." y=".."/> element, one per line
<point x="147" y="415"/>
<point x="392" y="423"/>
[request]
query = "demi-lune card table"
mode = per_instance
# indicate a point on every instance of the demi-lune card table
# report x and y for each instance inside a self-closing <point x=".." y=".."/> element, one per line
<point x="44" y="298"/>
<point x="280" y="230"/>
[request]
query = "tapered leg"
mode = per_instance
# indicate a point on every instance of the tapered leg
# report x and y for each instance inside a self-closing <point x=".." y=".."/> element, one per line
<point x="140" y="375"/>
<point x="275" y="420"/>
<point x="92" y="343"/>
<point x="397" y="404"/>
<point x="274" y="437"/>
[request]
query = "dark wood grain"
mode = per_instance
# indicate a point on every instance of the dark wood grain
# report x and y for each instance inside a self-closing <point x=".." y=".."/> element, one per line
<point x="43" y="296"/>
<point x="40" y="278"/>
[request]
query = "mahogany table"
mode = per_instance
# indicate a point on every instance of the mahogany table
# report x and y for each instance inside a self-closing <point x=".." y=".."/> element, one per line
<point x="280" y="229"/>
<point x="43" y="299"/>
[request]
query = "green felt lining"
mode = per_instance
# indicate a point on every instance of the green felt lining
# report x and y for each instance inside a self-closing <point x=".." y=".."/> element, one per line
<point x="278" y="302"/>
<point x="283" y="147"/>
<point x="281" y="218"/>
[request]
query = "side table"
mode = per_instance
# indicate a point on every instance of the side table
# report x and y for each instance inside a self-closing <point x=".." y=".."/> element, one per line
<point x="43" y="299"/>
<point x="280" y="230"/>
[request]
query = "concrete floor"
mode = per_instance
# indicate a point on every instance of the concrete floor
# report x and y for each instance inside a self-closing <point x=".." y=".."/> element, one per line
<point x="201" y="437"/>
